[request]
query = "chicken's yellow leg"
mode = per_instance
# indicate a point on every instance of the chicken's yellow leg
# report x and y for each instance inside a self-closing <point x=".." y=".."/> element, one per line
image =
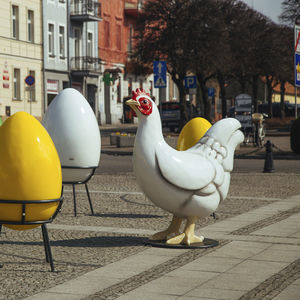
<point x="173" y="228"/>
<point x="188" y="236"/>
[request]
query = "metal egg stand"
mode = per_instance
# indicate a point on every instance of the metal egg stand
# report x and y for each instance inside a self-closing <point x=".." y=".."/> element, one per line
<point x="43" y="223"/>
<point x="73" y="183"/>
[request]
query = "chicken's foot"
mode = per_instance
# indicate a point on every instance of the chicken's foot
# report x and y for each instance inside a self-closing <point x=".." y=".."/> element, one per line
<point x="173" y="229"/>
<point x="188" y="237"/>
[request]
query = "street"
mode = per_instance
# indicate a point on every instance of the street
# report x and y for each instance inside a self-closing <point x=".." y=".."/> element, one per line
<point x="113" y="164"/>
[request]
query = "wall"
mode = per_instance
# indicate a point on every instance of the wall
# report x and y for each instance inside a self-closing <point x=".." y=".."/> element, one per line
<point x="21" y="54"/>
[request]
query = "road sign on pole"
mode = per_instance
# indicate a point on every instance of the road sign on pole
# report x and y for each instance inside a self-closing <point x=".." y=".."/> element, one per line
<point x="29" y="80"/>
<point x="211" y="92"/>
<point x="160" y="74"/>
<point x="297" y="69"/>
<point x="297" y="38"/>
<point x="190" y="82"/>
<point x="297" y="59"/>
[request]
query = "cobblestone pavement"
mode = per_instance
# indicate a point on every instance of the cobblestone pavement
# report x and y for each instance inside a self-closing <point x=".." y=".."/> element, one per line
<point x="106" y="256"/>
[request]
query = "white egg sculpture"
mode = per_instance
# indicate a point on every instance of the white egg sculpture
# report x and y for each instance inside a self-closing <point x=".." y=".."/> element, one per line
<point x="73" y="127"/>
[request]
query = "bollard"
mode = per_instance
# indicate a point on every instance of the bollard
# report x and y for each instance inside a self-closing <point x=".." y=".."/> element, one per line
<point x="269" y="166"/>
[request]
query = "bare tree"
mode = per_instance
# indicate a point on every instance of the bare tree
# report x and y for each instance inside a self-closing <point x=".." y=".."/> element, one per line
<point x="207" y="43"/>
<point x="291" y="10"/>
<point x="162" y="35"/>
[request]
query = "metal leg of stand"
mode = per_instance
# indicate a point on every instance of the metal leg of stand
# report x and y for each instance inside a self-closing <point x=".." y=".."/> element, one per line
<point x="0" y="228"/>
<point x="47" y="247"/>
<point x="74" y="200"/>
<point x="90" y="201"/>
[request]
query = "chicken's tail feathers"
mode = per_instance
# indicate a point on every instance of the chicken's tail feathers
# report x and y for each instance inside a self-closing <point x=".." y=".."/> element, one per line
<point x="228" y="134"/>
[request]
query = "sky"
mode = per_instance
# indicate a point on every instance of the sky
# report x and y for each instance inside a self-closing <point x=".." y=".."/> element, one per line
<point x="270" y="8"/>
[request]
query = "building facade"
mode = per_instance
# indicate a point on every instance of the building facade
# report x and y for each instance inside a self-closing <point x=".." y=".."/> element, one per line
<point x="55" y="36"/>
<point x="70" y="48"/>
<point x="84" y="63"/>
<point x="115" y="43"/>
<point x="21" y="56"/>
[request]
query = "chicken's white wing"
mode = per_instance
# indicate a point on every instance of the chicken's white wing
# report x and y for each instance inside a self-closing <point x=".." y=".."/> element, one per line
<point x="186" y="170"/>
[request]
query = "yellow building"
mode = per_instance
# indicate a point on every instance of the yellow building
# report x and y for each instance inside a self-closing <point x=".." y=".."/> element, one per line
<point x="21" y="56"/>
<point x="289" y="94"/>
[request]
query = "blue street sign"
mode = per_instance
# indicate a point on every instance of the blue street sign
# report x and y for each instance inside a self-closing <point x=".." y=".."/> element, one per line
<point x="211" y="92"/>
<point x="160" y="74"/>
<point x="297" y="69"/>
<point x="190" y="82"/>
<point x="29" y="80"/>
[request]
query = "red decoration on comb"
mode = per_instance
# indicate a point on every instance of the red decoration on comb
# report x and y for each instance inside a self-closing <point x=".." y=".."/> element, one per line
<point x="139" y="92"/>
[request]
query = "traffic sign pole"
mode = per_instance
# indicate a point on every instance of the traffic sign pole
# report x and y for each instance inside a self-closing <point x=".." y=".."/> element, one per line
<point x="297" y="60"/>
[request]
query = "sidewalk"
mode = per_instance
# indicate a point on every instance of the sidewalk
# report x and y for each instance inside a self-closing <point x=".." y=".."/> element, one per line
<point x="106" y="256"/>
<point x="258" y="256"/>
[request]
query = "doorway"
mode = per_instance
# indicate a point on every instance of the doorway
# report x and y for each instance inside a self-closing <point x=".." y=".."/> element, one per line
<point x="107" y="103"/>
<point x="91" y="96"/>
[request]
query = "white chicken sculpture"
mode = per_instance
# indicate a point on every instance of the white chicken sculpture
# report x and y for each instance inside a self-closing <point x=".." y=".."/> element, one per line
<point x="189" y="184"/>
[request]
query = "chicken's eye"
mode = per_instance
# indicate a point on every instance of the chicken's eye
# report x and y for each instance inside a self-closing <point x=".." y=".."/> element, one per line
<point x="145" y="101"/>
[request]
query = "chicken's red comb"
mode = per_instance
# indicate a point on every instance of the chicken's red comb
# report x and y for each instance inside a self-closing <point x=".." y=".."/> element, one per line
<point x="139" y="92"/>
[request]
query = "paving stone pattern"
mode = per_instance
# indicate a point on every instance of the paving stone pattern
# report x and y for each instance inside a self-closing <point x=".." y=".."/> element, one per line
<point x="86" y="244"/>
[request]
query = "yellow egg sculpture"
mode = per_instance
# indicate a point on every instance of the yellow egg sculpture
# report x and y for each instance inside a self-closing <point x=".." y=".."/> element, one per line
<point x="191" y="133"/>
<point x="29" y="170"/>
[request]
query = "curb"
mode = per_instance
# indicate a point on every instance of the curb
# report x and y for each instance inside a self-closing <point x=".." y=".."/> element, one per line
<point x="236" y="156"/>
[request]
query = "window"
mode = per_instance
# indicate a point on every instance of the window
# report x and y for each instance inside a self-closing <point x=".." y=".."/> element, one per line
<point x="90" y="5"/>
<point x="77" y="44"/>
<point x="16" y="91"/>
<point x="130" y="39"/>
<point x="61" y="42"/>
<point x="118" y="37"/>
<point x="77" y="6"/>
<point x="106" y="34"/>
<point x="77" y="47"/>
<point x="32" y="88"/>
<point x="30" y="25"/>
<point x="90" y="44"/>
<point x="15" y="22"/>
<point x="51" y="40"/>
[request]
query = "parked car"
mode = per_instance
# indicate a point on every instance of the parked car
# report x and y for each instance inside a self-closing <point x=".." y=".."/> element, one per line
<point x="263" y="108"/>
<point x="289" y="109"/>
<point x="170" y="114"/>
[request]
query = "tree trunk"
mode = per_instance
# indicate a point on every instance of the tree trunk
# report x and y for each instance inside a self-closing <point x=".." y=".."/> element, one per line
<point x="221" y="81"/>
<point x="242" y="81"/>
<point x="269" y="95"/>
<point x="179" y="79"/>
<point x="282" y="93"/>
<point x="205" y="100"/>
<point x="254" y="92"/>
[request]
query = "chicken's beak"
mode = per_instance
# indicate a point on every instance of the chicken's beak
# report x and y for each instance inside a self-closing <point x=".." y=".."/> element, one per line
<point x="132" y="103"/>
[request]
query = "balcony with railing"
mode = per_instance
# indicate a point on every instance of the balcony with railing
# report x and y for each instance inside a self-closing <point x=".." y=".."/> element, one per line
<point x="85" y="11"/>
<point x="132" y="9"/>
<point x="85" y="65"/>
